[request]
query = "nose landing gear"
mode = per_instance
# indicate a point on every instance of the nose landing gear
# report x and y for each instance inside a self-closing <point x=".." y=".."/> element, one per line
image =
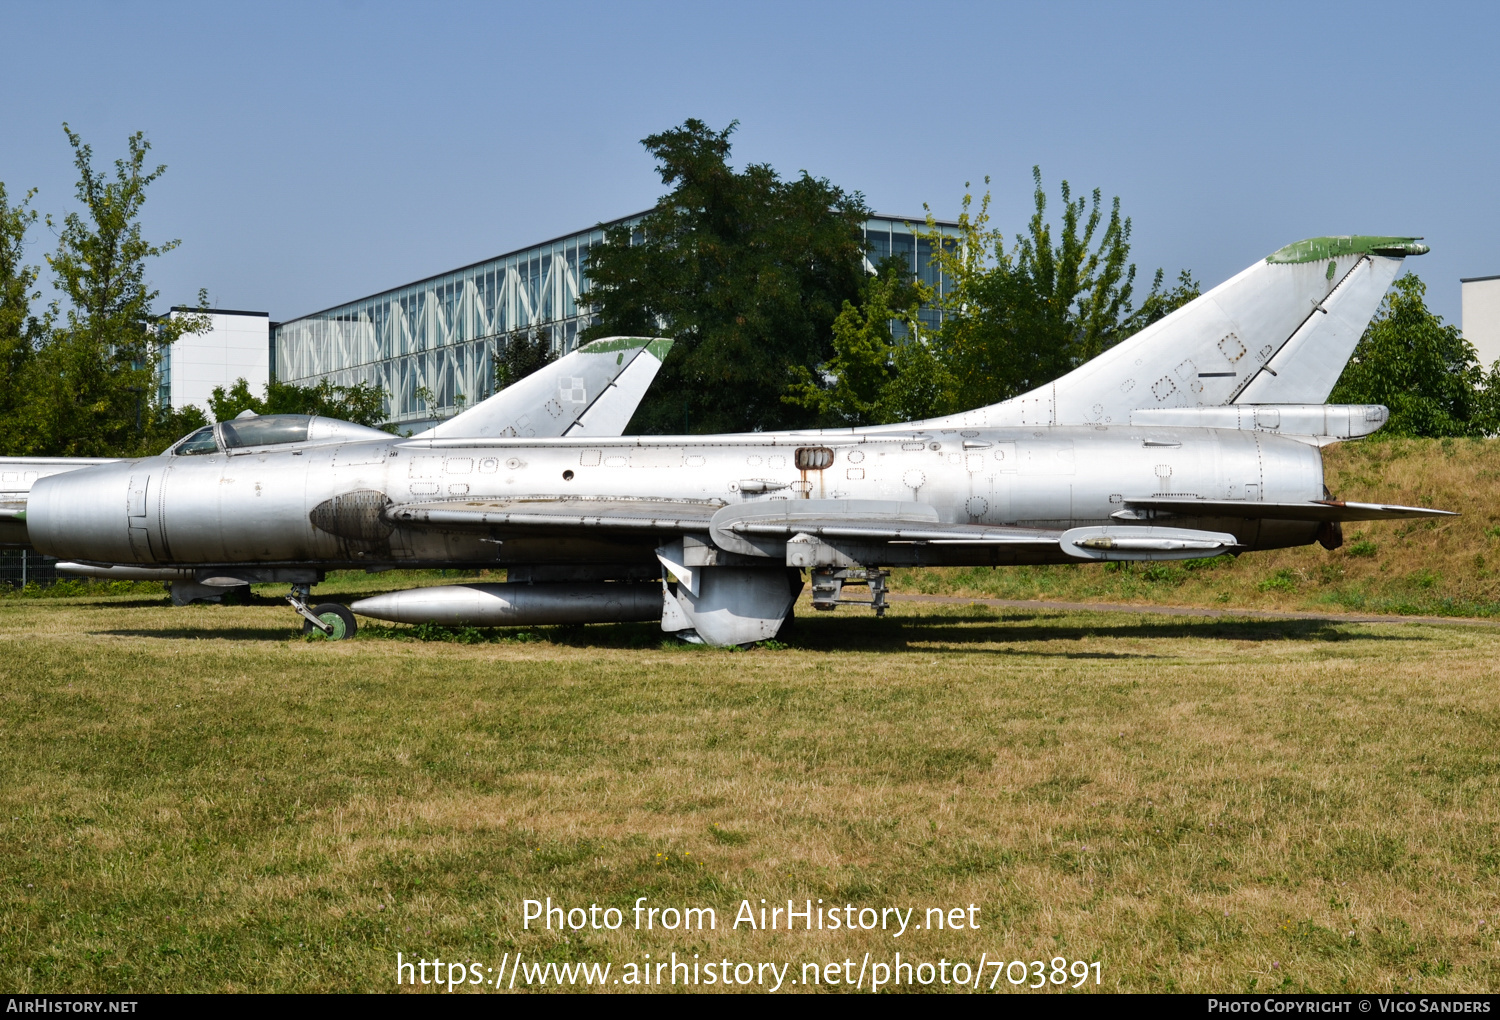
<point x="329" y="621"/>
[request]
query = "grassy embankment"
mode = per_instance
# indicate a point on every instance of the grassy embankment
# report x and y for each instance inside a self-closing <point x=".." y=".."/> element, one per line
<point x="1432" y="567"/>
<point x="190" y="800"/>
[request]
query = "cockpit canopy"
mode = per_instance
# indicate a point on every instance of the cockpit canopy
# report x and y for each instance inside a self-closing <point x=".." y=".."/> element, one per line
<point x="265" y="430"/>
<point x="260" y="431"/>
<point x="202" y="441"/>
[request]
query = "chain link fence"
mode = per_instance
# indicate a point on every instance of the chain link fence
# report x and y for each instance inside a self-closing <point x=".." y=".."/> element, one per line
<point x="20" y="567"/>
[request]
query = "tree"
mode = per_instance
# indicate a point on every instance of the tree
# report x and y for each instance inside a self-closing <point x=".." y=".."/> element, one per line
<point x="745" y="271"/>
<point x="91" y="381"/>
<point x="1425" y="372"/>
<point x="522" y="352"/>
<point x="19" y="329"/>
<point x="362" y="403"/>
<point x="1011" y="319"/>
<point x="869" y="380"/>
<point x="1014" y="320"/>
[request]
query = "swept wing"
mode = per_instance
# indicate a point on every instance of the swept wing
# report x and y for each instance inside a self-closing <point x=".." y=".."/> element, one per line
<point x="772" y="529"/>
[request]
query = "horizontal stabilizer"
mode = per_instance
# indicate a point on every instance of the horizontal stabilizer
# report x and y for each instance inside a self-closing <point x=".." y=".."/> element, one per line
<point x="1315" y="510"/>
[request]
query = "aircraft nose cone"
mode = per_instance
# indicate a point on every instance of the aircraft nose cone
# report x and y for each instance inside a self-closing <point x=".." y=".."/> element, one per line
<point x="84" y="515"/>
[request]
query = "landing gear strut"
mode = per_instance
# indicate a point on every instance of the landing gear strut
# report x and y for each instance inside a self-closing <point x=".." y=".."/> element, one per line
<point x="828" y="588"/>
<point x="329" y="621"/>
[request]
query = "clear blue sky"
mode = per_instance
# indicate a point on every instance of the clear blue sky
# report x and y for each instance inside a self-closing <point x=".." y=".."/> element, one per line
<point x="321" y="151"/>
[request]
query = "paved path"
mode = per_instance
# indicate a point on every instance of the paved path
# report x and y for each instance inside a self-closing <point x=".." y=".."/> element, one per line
<point x="1261" y="614"/>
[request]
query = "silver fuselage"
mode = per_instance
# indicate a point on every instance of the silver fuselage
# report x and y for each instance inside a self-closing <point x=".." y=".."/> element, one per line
<point x="256" y="506"/>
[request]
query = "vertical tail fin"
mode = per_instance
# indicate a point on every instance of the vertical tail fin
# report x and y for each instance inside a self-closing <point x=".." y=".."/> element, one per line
<point x="609" y="415"/>
<point x="1277" y="332"/>
<point x="587" y="393"/>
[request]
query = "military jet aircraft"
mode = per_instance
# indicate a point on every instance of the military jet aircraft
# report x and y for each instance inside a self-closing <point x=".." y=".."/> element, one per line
<point x="1198" y="436"/>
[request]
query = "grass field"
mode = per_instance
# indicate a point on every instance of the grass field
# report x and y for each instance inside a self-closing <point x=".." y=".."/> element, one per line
<point x="195" y="799"/>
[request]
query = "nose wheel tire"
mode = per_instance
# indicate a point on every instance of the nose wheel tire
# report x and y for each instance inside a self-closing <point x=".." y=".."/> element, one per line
<point x="336" y="616"/>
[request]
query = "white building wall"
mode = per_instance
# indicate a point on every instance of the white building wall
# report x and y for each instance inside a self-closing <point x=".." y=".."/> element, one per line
<point x="1481" y="317"/>
<point x="236" y="346"/>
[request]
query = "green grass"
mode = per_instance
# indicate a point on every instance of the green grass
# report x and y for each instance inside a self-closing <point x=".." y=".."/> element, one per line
<point x="198" y="799"/>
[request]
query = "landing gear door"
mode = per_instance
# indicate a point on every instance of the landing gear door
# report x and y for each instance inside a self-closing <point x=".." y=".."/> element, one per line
<point x="139" y="500"/>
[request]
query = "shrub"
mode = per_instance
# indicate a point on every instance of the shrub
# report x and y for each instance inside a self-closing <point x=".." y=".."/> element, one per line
<point x="1283" y="580"/>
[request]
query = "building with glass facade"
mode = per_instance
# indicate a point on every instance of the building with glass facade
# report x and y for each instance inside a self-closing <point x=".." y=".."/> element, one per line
<point x="430" y="344"/>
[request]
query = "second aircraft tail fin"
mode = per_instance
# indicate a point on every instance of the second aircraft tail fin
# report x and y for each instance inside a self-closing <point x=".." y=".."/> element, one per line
<point x="591" y="392"/>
